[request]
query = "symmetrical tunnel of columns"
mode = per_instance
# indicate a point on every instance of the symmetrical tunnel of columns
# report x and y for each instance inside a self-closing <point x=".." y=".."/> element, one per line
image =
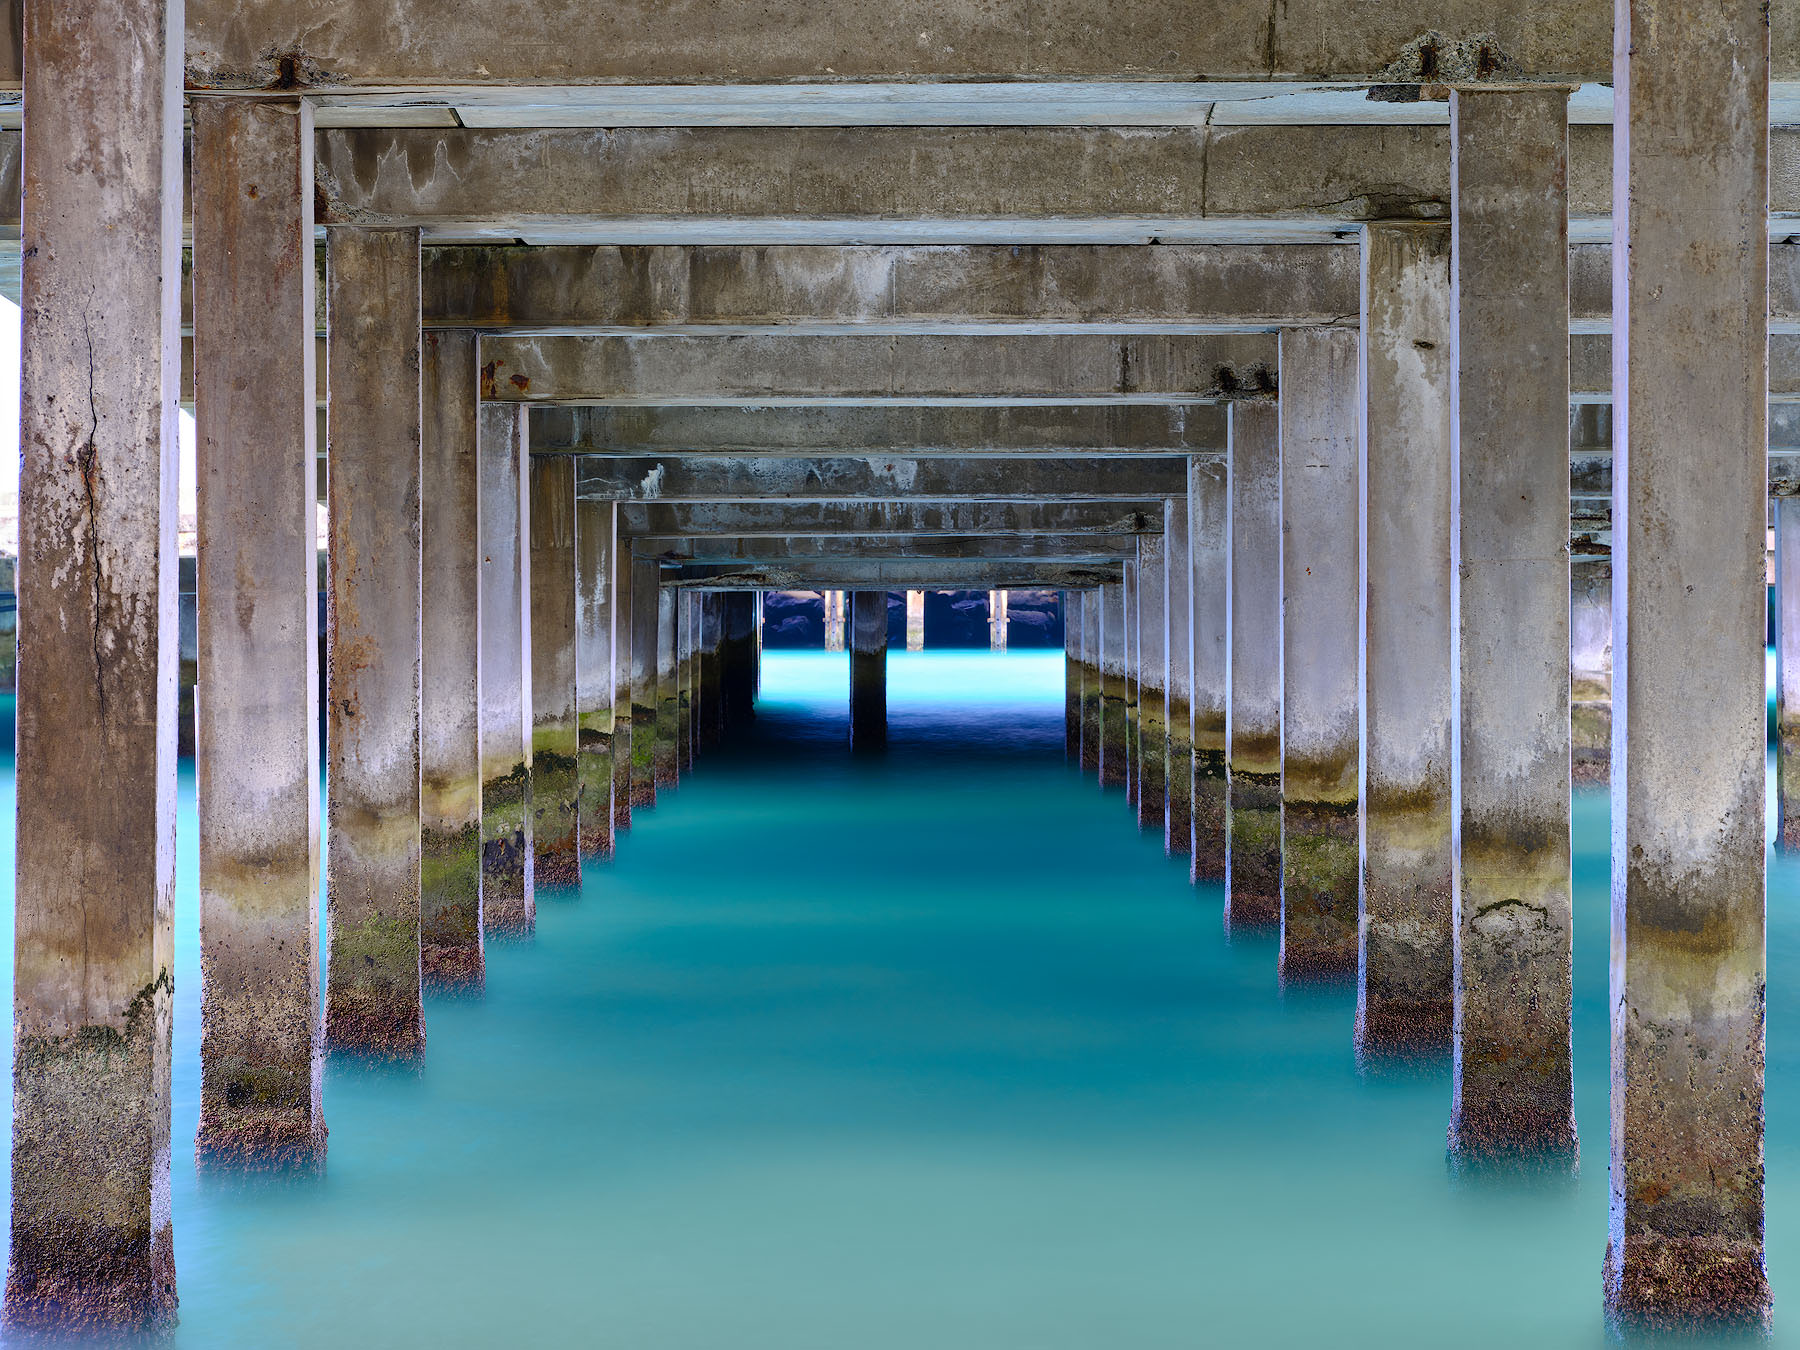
<point x="1323" y="355"/>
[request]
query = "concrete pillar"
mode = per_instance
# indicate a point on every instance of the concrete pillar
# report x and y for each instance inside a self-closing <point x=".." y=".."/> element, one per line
<point x="1253" y="708"/>
<point x="596" y="534"/>
<point x="1404" y="984"/>
<point x="668" y="689"/>
<point x="1112" y="685"/>
<point x="684" y="680"/>
<point x="1787" y="670"/>
<point x="555" y="734"/>
<point x="450" y="666"/>
<point x="95" y="883"/>
<point x="915" y="621"/>
<point x="1178" y="606"/>
<point x="1091" y="682"/>
<point x="1319" y="743"/>
<point x="834" y="621"/>
<point x="756" y="652"/>
<point x="997" y="620"/>
<point x="374" y="430"/>
<point x="624" y="733"/>
<point x="1153" y="680"/>
<point x="737" y="656"/>
<point x="712" y="682"/>
<point x="1690" y="427"/>
<point x="1131" y="684"/>
<point x="257" y="724"/>
<point x="646" y="588"/>
<point x="1072" y="676"/>
<point x="1591" y="635"/>
<point x="868" y="670"/>
<point x="1209" y="586"/>
<point x="508" y="864"/>
<point x="1512" y="1090"/>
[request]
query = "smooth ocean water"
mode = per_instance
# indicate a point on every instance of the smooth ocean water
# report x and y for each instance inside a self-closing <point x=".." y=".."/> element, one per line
<point x="931" y="1052"/>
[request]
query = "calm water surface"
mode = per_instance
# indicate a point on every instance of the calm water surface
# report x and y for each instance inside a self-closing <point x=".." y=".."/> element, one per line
<point x="936" y="1051"/>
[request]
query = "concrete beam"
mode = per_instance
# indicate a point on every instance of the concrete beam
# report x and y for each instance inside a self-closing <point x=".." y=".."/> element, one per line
<point x="725" y="550"/>
<point x="881" y="519"/>
<point x="899" y="575"/>
<point x="1000" y="478"/>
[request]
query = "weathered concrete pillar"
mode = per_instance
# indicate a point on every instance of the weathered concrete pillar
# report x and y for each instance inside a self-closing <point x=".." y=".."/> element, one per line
<point x="508" y="864"/>
<point x="256" y="727"/>
<point x="997" y="620"/>
<point x="1209" y="587"/>
<point x="596" y="535"/>
<point x="1072" y="676"/>
<point x="95" y="883"/>
<point x="624" y="732"/>
<point x="374" y="431"/>
<point x="1131" y="684"/>
<point x="1253" y="708"/>
<point x="915" y="621"/>
<point x="555" y="733"/>
<point x="1787" y="670"/>
<point x="712" y="682"/>
<point x="1153" y="681"/>
<point x="1591" y="636"/>
<point x="1178" y="603"/>
<point x="1512" y="1090"/>
<point x="868" y="670"/>
<point x="1319" y="743"/>
<point x="684" y="680"/>
<point x="1092" y="698"/>
<point x="1112" y="685"/>
<point x="1690" y="426"/>
<point x="737" y="656"/>
<point x="1404" y="993"/>
<point x="834" y="621"/>
<point x="646" y="589"/>
<point x="668" y="689"/>
<point x="450" y="666"/>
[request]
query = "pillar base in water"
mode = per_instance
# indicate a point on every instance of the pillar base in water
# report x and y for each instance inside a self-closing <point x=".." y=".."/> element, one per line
<point x="1399" y="1032"/>
<point x="365" y="1024"/>
<point x="450" y="920"/>
<point x="1207" y="812"/>
<point x="556" y="835"/>
<point x="250" y="1141"/>
<point x="508" y="892"/>
<point x="92" y="1279"/>
<point x="1253" y="860"/>
<point x="1690" y="1285"/>
<point x="1319" y="882"/>
<point x="453" y="970"/>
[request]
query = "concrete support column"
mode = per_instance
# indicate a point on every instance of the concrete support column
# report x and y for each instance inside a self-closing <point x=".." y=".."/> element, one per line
<point x="997" y="620"/>
<point x="737" y="656"/>
<point x="1690" y="505"/>
<point x="624" y="731"/>
<point x="1319" y="742"/>
<point x="1131" y="684"/>
<point x="95" y="883"/>
<point x="712" y="684"/>
<point x="1787" y="670"/>
<point x="1091" y="683"/>
<point x="374" y="432"/>
<point x="1112" y="685"/>
<point x="596" y="535"/>
<point x="684" y="680"/>
<point x="1404" y="997"/>
<point x="257" y="725"/>
<point x="1153" y="680"/>
<point x="555" y="733"/>
<point x="1178" y="604"/>
<point x="1512" y="1089"/>
<point x="915" y="621"/>
<point x="1072" y="676"/>
<point x="868" y="670"/>
<point x="646" y="588"/>
<point x="450" y="666"/>
<point x="1253" y="707"/>
<point x="1591" y="638"/>
<point x="668" y="688"/>
<point x="835" y="626"/>
<point x="1209" y="587"/>
<point x="508" y="865"/>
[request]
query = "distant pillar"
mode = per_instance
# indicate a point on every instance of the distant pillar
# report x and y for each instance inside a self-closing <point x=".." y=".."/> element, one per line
<point x="915" y="621"/>
<point x="686" y="621"/>
<point x="1178" y="822"/>
<point x="1209" y="573"/>
<point x="737" y="656"/>
<point x="1512" y="1090"/>
<point x="92" y="1245"/>
<point x="1404" y="987"/>
<point x="834" y="621"/>
<point x="1092" y="698"/>
<point x="1132" y="684"/>
<point x="1253" y="825"/>
<point x="868" y="670"/>
<point x="1690" y="503"/>
<point x="1153" y="679"/>
<point x="508" y="872"/>
<point x="450" y="666"/>
<point x="1787" y="670"/>
<point x="646" y="596"/>
<point x="712" y="669"/>
<point x="667" y="759"/>
<point x="257" y="726"/>
<point x="1591" y="630"/>
<point x="555" y="737"/>
<point x="1319" y="744"/>
<point x="1072" y="676"/>
<point x="624" y="665"/>
<point x="596" y="538"/>
<point x="997" y="620"/>
<point x="1112" y="681"/>
<point x="373" y="1004"/>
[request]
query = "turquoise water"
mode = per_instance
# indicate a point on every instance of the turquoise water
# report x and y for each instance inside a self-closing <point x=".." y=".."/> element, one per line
<point x="935" y="1051"/>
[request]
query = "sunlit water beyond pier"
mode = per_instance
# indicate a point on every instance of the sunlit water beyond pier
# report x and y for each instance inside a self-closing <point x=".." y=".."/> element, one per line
<point x="929" y="1051"/>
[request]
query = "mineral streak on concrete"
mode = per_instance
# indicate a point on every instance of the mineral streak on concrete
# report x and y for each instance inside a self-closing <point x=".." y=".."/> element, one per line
<point x="1112" y="684"/>
<point x="1253" y="703"/>
<point x="667" y="755"/>
<point x="1153" y="685"/>
<point x="646" y="584"/>
<point x="868" y="670"/>
<point x="738" y="657"/>
<point x="1178" y="823"/>
<point x="508" y="859"/>
<point x="1072" y="676"/>
<point x="1404" y="983"/>
<point x="915" y="621"/>
<point x="555" y="732"/>
<point x="1690" y="302"/>
<point x="1512" y="1090"/>
<point x="1133" y="685"/>
<point x="596" y="536"/>
<point x="1092" y="682"/>
<point x="623" y="573"/>
<point x="257" y="730"/>
<point x="450" y="669"/>
<point x="1591" y="667"/>
<point x="1209" y="586"/>
<point x="373" y="995"/>
<point x="93" y="956"/>
<point x="1319" y="742"/>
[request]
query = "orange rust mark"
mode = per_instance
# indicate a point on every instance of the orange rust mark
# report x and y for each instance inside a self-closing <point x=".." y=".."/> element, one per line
<point x="521" y="383"/>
